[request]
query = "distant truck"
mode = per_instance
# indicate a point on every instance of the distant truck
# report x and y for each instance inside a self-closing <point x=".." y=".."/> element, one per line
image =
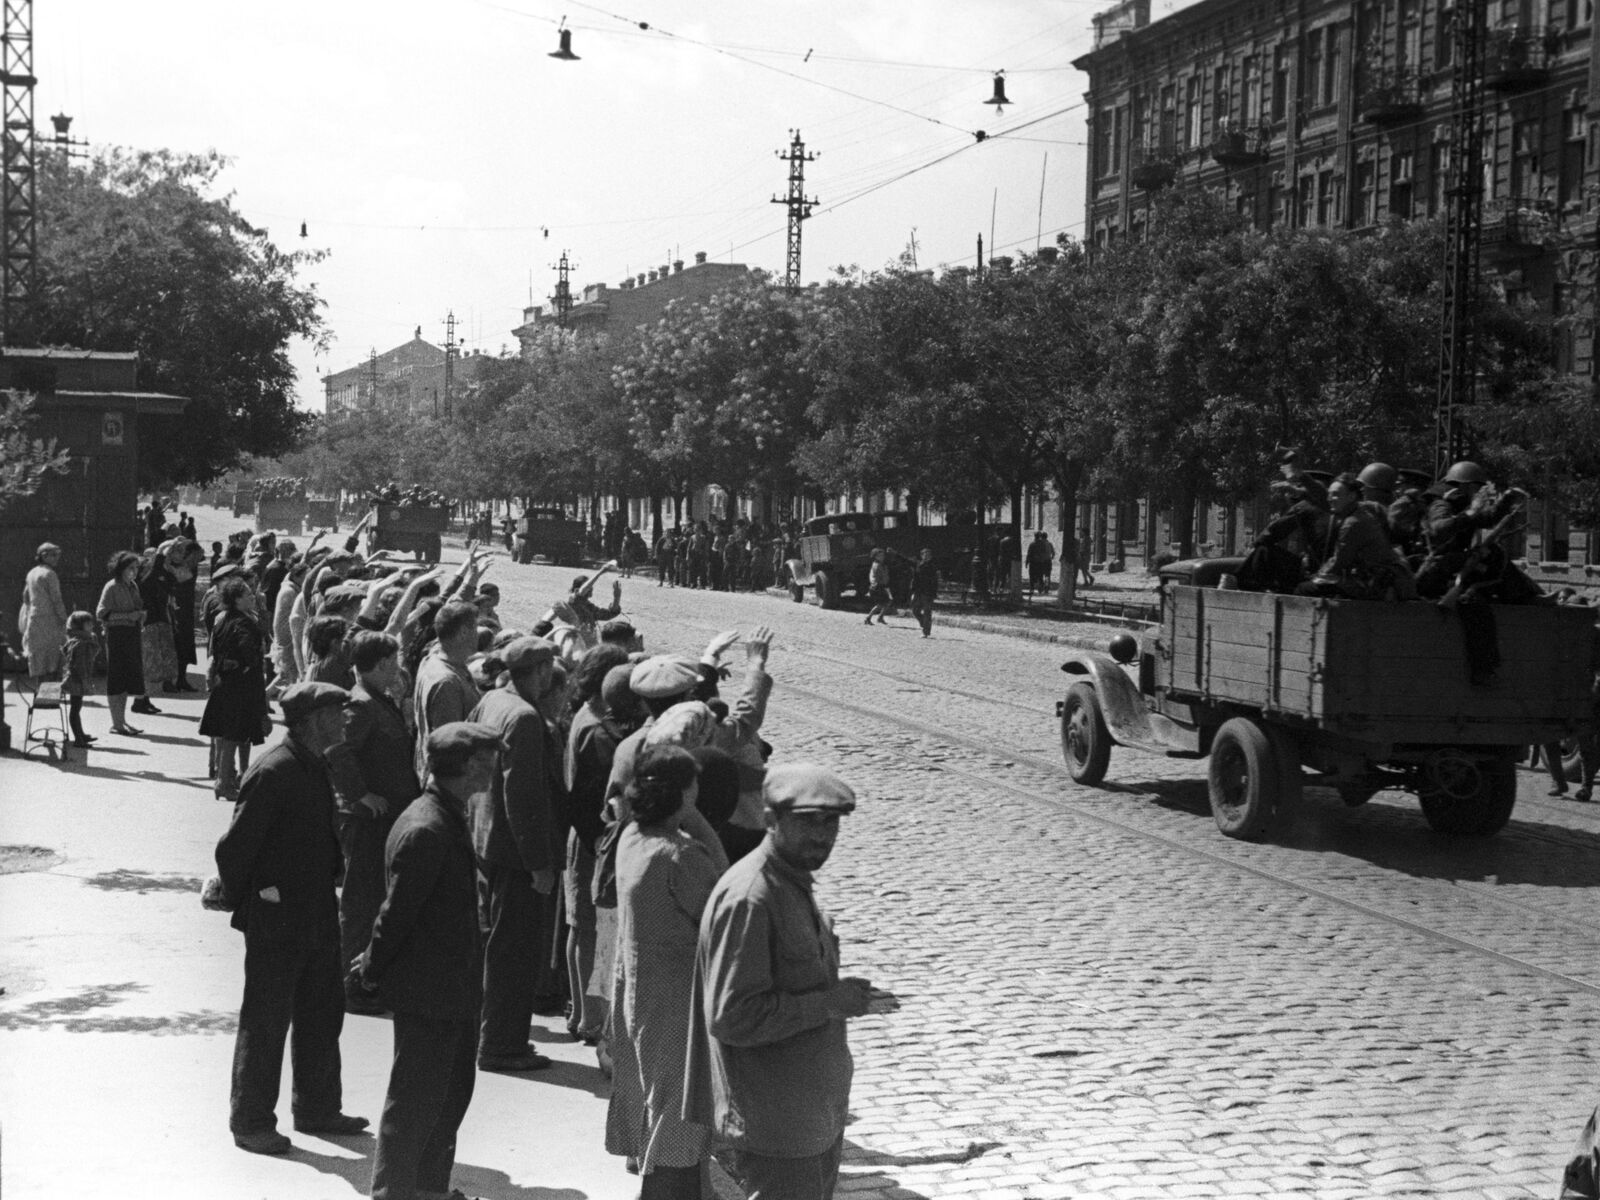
<point x="244" y="501"/>
<point x="835" y="553"/>
<point x="549" y="533"/>
<point x="1356" y="695"/>
<point x="409" y="528"/>
<point x="284" y="513"/>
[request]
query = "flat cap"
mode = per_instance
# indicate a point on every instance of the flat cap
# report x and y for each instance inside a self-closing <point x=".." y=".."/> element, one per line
<point x="526" y="653"/>
<point x="618" y="629"/>
<point x="689" y="724"/>
<point x="303" y="699"/>
<point x="805" y="787"/>
<point x="461" y="738"/>
<point x="665" y="675"/>
<point x="224" y="570"/>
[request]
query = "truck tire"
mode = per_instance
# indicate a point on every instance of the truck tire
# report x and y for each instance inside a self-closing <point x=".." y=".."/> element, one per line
<point x="1247" y="778"/>
<point x="1480" y="809"/>
<point x="827" y="589"/>
<point x="1085" y="740"/>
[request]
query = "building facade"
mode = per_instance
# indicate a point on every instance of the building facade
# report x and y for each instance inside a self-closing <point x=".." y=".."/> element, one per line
<point x="412" y="377"/>
<point x="1336" y="114"/>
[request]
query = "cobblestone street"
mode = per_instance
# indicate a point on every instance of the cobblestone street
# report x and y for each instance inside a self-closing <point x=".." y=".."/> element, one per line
<point x="1099" y="995"/>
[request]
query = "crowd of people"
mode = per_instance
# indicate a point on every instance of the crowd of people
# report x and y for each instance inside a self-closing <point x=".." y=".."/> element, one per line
<point x="721" y="554"/>
<point x="467" y="825"/>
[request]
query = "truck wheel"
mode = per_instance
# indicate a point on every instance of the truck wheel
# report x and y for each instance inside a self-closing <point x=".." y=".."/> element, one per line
<point x="1247" y="778"/>
<point x="797" y="593"/>
<point x="1473" y="800"/>
<point x="1085" y="740"/>
<point x="827" y="589"/>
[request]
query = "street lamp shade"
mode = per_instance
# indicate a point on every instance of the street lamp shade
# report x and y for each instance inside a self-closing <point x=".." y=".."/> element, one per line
<point x="63" y="124"/>
<point x="565" y="51"/>
<point x="999" y="98"/>
<point x="303" y="232"/>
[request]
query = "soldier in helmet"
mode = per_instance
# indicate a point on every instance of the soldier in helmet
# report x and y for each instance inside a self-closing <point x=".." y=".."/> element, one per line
<point x="1459" y="506"/>
<point x="1290" y="547"/>
<point x="1360" y="562"/>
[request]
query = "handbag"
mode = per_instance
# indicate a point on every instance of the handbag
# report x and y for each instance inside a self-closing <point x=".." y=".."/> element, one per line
<point x="604" y="888"/>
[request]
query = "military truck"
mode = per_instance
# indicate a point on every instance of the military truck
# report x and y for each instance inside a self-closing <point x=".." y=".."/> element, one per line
<point x="548" y="533"/>
<point x="409" y="528"/>
<point x="835" y="553"/>
<point x="1359" y="696"/>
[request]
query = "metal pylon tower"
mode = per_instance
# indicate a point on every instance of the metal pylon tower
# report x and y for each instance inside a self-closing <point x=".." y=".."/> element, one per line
<point x="18" y="258"/>
<point x="1458" y="358"/>
<point x="372" y="378"/>
<point x="563" y="295"/>
<point x="799" y="207"/>
<point x="449" y="361"/>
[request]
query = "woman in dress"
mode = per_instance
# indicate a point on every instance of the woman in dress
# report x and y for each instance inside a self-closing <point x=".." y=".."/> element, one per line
<point x="121" y="612"/>
<point x="236" y="712"/>
<point x="664" y="878"/>
<point x="155" y="639"/>
<point x="44" y="615"/>
<point x="184" y="563"/>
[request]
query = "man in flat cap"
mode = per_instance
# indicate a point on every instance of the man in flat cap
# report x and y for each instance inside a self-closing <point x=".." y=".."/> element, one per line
<point x="444" y="690"/>
<point x="277" y="864"/>
<point x="513" y="826"/>
<point x="769" y="1065"/>
<point x="424" y="965"/>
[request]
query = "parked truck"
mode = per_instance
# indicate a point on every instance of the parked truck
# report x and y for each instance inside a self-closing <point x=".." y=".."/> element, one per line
<point x="549" y="533"/>
<point x="835" y="553"/>
<point x="1360" y="696"/>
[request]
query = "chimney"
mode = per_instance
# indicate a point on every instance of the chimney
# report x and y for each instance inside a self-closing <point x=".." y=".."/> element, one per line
<point x="677" y="265"/>
<point x="627" y="283"/>
<point x="699" y="258"/>
<point x="663" y="272"/>
<point x="1046" y="254"/>
<point x="641" y="278"/>
<point x="652" y="276"/>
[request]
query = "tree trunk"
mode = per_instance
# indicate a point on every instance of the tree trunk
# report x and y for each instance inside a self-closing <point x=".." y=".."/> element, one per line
<point x="1014" y="567"/>
<point x="1068" y="477"/>
<point x="1183" y="520"/>
<point x="655" y="518"/>
<point x="980" y="552"/>
<point x="913" y="508"/>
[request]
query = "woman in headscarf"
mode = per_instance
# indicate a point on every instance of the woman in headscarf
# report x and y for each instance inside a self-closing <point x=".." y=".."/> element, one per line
<point x="121" y="612"/>
<point x="183" y="561"/>
<point x="155" y="639"/>
<point x="43" y="620"/>
<point x="664" y="878"/>
<point x="236" y="712"/>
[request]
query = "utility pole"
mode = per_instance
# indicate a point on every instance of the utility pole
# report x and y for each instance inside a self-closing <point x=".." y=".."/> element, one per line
<point x="18" y="258"/>
<point x="372" y="378"/>
<point x="563" y="289"/>
<point x="797" y="204"/>
<point x="1458" y="359"/>
<point x="449" y="361"/>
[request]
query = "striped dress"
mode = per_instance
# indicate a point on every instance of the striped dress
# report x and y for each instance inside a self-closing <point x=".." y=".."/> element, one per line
<point x="664" y="879"/>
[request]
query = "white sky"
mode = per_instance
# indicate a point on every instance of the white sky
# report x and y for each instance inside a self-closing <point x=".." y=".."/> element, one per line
<point x="428" y="146"/>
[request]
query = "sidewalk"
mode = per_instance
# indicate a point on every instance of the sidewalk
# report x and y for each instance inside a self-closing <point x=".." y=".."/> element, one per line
<point x="121" y="994"/>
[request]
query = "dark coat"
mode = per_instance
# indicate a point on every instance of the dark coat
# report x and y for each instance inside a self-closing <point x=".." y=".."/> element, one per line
<point x="237" y="708"/>
<point x="425" y="956"/>
<point x="283" y="837"/>
<point x="375" y="756"/>
<point x="514" y="823"/>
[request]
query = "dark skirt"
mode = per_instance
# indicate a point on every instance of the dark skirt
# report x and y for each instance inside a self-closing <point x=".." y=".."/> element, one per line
<point x="124" y="661"/>
<point x="183" y="622"/>
<point x="237" y="707"/>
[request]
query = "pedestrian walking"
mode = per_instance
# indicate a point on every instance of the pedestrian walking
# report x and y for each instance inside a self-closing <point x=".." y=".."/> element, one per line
<point x="424" y="964"/>
<point x="77" y="671"/>
<point x="664" y="877"/>
<point x="1041" y="556"/>
<point x="120" y="613"/>
<point x="42" y="619"/>
<point x="924" y="590"/>
<point x="374" y="779"/>
<point x="513" y="826"/>
<point x="277" y="865"/>
<point x="878" y="588"/>
<point x="236" y="714"/>
<point x="769" y="1064"/>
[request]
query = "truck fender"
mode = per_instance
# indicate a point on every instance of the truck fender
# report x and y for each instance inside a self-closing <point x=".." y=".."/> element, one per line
<point x="1126" y="714"/>
<point x="799" y="573"/>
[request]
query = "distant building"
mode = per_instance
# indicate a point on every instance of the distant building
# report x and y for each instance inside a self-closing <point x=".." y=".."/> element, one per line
<point x="409" y="378"/>
<point x="638" y="300"/>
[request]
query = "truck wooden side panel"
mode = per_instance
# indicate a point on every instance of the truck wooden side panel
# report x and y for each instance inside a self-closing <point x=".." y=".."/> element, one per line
<point x="1355" y="667"/>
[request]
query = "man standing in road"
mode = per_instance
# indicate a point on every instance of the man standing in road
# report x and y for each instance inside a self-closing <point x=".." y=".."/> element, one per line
<point x="924" y="590"/>
<point x="424" y="965"/>
<point x="513" y="827"/>
<point x="769" y="1065"/>
<point x="277" y="865"/>
<point x="444" y="689"/>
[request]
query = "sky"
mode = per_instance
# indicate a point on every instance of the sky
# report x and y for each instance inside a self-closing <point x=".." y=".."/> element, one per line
<point x="444" y="161"/>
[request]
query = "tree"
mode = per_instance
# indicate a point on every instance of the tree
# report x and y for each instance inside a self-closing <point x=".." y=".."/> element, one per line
<point x="24" y="461"/>
<point x="135" y="253"/>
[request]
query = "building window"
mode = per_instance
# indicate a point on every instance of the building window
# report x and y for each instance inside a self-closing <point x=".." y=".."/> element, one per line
<point x="1327" y="199"/>
<point x="1119" y="138"/>
<point x="1250" y="91"/>
<point x="1366" y="194"/>
<point x="1280" y="84"/>
<point x="1438" y="178"/>
<point x="1572" y="156"/>
<point x="1444" y="36"/>
<point x="1308" y="201"/>
<point x="1311" y="79"/>
<point x="1274" y="204"/>
<point x="1330" y="76"/>
<point x="1102" y="142"/>
<point x="1221" y="100"/>
<point x="1527" y="180"/>
<point x="1191" y="113"/>
<point x="1400" y="172"/>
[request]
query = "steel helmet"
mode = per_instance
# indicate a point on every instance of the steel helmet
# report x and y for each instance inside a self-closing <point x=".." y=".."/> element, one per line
<point x="1378" y="476"/>
<point x="1465" y="472"/>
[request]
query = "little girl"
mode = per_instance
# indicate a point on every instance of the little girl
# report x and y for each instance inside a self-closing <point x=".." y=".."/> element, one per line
<point x="77" y="675"/>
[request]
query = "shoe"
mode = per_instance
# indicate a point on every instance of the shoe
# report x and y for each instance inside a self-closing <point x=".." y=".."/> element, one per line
<point x="83" y="743"/>
<point x="145" y="707"/>
<point x="171" y="688"/>
<point x="1583" y="795"/>
<point x="339" y="1123"/>
<point x="868" y="621"/>
<point x="1557" y="791"/>
<point x="511" y="1064"/>
<point x="881" y="621"/>
<point x="361" y="1006"/>
<point x="268" y="1141"/>
<point x="128" y="730"/>
<point x="185" y="686"/>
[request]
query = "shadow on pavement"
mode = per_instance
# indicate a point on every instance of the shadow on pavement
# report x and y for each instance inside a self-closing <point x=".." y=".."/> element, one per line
<point x="473" y="1180"/>
<point x="564" y="1074"/>
<point x="1396" y="837"/>
<point x="142" y="882"/>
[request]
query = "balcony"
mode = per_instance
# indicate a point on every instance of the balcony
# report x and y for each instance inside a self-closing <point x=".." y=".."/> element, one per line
<point x="1514" y="229"/>
<point x="1390" y="95"/>
<point x="1233" y="145"/>
<point x="1518" y="59"/>
<point x="1153" y="165"/>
